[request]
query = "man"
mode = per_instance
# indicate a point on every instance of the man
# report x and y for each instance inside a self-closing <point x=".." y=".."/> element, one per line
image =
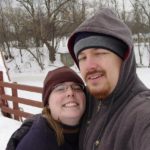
<point x="119" y="119"/>
<point x="118" y="114"/>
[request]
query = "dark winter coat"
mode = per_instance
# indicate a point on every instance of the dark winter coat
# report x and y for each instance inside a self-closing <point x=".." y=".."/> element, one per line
<point x="18" y="135"/>
<point x="42" y="137"/>
<point x="122" y="120"/>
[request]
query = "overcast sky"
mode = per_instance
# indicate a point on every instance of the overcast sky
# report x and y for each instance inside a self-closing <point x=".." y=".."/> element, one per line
<point x="127" y="2"/>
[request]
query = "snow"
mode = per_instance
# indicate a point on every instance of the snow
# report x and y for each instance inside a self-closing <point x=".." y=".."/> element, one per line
<point x="7" y="127"/>
<point x="32" y="75"/>
<point x="144" y="75"/>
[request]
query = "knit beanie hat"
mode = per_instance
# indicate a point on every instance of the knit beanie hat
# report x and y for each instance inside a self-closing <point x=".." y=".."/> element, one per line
<point x="86" y="40"/>
<point x="54" y="77"/>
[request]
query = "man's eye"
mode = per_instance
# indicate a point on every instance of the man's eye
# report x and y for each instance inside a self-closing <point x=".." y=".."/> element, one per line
<point x="81" y="58"/>
<point x="101" y="53"/>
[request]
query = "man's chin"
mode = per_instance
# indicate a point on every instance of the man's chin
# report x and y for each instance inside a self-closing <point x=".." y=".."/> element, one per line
<point x="93" y="90"/>
<point x="99" y="94"/>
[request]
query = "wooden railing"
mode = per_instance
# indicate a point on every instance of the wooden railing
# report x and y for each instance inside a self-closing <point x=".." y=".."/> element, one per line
<point x="14" y="111"/>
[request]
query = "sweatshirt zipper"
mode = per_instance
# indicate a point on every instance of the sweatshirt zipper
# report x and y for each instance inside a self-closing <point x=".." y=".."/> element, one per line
<point x="97" y="142"/>
<point x="88" y="122"/>
<point x="99" y="106"/>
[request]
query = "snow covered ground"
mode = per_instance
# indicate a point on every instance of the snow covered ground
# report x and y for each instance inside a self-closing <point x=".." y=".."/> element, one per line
<point x="7" y="127"/>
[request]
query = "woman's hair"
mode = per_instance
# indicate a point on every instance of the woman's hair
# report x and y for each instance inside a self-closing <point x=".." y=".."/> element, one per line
<point x="54" y="77"/>
<point x="54" y="124"/>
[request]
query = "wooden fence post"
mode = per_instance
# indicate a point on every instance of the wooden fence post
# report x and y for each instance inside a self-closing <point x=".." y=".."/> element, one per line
<point x="15" y="104"/>
<point x="2" y="101"/>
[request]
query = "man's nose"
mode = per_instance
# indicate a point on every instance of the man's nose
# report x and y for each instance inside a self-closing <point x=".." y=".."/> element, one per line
<point x="90" y="63"/>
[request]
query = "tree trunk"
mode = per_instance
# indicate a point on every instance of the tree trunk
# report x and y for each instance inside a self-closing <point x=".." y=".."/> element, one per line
<point x="51" y="51"/>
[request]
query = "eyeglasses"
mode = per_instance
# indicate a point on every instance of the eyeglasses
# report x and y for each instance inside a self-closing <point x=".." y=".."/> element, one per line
<point x="64" y="87"/>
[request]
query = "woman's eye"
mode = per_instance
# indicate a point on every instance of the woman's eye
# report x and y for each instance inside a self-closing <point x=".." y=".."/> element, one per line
<point x="59" y="88"/>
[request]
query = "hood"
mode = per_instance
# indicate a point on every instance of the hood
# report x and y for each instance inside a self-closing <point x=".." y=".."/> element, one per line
<point x="104" y="22"/>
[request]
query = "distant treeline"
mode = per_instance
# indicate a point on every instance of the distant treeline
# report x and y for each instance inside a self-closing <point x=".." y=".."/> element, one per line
<point x="32" y="23"/>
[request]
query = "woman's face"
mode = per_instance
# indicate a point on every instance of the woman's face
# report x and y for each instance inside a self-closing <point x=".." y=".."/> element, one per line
<point x="67" y="103"/>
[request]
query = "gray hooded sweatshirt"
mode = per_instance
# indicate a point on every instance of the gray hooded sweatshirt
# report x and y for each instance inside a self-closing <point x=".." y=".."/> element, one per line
<point x="123" y="120"/>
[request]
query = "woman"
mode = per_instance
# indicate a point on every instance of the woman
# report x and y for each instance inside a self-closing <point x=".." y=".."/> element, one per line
<point x="64" y="104"/>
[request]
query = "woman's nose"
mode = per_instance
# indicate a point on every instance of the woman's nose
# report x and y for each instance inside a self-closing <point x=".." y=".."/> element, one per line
<point x="69" y="91"/>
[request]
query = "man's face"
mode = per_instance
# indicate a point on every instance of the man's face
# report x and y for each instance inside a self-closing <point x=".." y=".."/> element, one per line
<point x="100" y="69"/>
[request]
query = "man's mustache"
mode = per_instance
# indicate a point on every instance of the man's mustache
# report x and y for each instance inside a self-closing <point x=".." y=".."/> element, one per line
<point x="95" y="71"/>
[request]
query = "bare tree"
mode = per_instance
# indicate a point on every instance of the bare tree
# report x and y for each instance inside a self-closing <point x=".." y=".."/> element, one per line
<point x="58" y="23"/>
<point x="145" y="5"/>
<point x="48" y="26"/>
<point x="39" y="22"/>
<point x="142" y="21"/>
<point x="31" y="11"/>
<point x="5" y="33"/>
<point x="136" y="26"/>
